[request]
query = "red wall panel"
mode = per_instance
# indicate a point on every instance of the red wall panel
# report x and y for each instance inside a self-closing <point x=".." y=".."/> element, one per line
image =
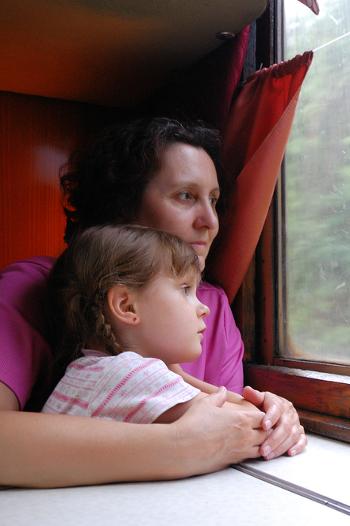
<point x="36" y="137"/>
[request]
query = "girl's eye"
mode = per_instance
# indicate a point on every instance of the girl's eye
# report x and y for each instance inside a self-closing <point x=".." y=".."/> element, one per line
<point x="186" y="289"/>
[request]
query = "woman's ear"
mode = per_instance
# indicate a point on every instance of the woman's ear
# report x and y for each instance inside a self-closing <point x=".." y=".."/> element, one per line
<point x="121" y="304"/>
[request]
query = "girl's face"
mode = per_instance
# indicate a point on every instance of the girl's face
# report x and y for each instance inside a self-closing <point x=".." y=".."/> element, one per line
<point x="170" y="317"/>
<point x="181" y="197"/>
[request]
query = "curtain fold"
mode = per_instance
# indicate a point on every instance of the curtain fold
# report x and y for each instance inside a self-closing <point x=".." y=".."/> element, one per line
<point x="254" y="142"/>
<point x="311" y="4"/>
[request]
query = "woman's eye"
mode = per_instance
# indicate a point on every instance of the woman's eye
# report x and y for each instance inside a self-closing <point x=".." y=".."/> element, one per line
<point x="185" y="196"/>
<point x="213" y="201"/>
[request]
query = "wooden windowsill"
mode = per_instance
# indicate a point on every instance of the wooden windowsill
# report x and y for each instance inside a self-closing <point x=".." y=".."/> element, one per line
<point x="322" y="399"/>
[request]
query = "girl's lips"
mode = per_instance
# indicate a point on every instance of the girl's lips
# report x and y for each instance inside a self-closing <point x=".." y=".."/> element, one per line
<point x="201" y="332"/>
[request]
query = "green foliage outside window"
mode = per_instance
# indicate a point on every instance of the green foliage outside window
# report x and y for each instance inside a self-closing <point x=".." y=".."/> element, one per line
<point x="317" y="183"/>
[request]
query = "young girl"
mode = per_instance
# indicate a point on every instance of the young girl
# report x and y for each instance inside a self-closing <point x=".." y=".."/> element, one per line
<point x="126" y="309"/>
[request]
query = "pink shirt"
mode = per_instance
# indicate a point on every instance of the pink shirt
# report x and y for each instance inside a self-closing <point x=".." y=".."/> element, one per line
<point x="126" y="388"/>
<point x="221" y="360"/>
<point x="25" y="355"/>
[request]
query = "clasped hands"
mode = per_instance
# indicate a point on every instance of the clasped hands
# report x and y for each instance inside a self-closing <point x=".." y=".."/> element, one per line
<point x="281" y="421"/>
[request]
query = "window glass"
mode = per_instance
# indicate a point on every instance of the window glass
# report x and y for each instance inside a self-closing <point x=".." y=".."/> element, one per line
<point x="316" y="236"/>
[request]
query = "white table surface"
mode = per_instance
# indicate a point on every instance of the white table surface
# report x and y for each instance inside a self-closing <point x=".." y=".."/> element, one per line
<point x="324" y="467"/>
<point x="225" y="498"/>
<point x="228" y="497"/>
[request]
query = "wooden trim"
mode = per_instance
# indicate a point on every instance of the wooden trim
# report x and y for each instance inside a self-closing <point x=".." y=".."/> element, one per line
<point x="323" y="367"/>
<point x="244" y="312"/>
<point x="265" y="43"/>
<point x="265" y="294"/>
<point x="310" y="390"/>
<point x="329" y="426"/>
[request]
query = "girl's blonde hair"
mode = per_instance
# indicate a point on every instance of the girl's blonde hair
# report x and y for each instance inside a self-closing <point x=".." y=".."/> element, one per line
<point x="99" y="258"/>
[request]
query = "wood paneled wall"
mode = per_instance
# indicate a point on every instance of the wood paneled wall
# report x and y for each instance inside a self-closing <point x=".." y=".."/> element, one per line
<point x="36" y="137"/>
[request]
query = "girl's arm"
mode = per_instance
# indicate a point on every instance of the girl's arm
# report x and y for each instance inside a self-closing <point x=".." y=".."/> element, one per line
<point x="43" y="450"/>
<point x="177" y="411"/>
<point x="233" y="400"/>
<point x="207" y="388"/>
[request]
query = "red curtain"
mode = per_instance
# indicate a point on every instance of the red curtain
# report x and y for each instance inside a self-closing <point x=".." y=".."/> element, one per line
<point x="255" y="138"/>
<point x="312" y="4"/>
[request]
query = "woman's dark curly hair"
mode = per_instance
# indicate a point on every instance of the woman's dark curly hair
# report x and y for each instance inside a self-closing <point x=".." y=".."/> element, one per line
<point x="105" y="182"/>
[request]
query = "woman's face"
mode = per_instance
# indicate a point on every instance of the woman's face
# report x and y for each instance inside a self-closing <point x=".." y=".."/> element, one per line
<point x="181" y="197"/>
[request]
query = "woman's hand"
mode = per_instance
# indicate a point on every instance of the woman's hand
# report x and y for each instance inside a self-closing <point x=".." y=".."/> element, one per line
<point x="281" y="421"/>
<point x="217" y="435"/>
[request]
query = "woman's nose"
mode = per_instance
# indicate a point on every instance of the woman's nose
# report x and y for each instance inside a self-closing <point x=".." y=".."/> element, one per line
<point x="206" y="217"/>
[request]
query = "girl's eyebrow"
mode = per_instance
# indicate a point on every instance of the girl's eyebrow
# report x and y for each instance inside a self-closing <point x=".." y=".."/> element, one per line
<point x="195" y="278"/>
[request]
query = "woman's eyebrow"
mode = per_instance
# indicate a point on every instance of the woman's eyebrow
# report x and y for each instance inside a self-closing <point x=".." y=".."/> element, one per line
<point x="191" y="184"/>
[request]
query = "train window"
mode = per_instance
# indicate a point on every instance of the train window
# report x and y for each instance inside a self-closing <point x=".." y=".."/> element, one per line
<point x="303" y="261"/>
<point x="316" y="192"/>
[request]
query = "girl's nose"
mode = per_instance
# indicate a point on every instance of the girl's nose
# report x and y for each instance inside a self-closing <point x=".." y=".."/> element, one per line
<point x="203" y="310"/>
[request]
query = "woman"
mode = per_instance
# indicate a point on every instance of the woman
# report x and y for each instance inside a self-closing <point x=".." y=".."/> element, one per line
<point x="157" y="173"/>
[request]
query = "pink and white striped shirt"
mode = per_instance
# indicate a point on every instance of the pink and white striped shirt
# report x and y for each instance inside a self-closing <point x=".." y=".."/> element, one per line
<point x="126" y="387"/>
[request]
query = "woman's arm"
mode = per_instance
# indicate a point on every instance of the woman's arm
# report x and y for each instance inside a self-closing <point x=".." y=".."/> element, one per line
<point x="8" y="400"/>
<point x="43" y="450"/>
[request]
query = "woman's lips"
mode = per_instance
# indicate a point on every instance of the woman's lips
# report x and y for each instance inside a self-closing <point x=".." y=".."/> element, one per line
<point x="199" y="247"/>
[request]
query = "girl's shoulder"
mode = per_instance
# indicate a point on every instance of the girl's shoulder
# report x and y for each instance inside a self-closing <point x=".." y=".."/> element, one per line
<point x="126" y="359"/>
<point x="102" y="369"/>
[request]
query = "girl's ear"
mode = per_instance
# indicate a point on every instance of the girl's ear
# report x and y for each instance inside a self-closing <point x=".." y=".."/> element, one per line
<point x="120" y="302"/>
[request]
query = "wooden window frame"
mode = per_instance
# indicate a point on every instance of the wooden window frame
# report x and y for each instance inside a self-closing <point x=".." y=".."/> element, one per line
<point x="320" y="391"/>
